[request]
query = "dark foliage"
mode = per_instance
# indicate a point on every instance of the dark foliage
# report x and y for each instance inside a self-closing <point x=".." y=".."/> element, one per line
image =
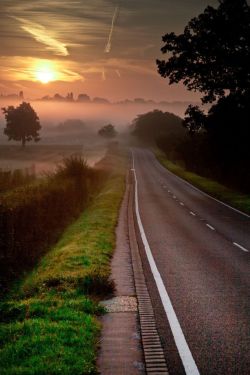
<point x="152" y="125"/>
<point x="108" y="131"/>
<point x="22" y="123"/>
<point x="33" y="216"/>
<point x="213" y="54"/>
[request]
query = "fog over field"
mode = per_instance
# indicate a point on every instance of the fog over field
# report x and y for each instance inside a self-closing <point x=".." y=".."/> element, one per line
<point x="72" y="127"/>
<point x="51" y="113"/>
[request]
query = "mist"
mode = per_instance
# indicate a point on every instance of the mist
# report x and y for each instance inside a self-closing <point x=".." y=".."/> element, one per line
<point x="92" y="115"/>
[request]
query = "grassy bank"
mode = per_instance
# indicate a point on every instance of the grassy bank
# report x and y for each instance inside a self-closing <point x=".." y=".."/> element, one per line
<point x="211" y="187"/>
<point x="33" y="216"/>
<point x="49" y="324"/>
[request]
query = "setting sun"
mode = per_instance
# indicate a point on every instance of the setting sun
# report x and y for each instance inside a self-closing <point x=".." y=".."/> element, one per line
<point x="45" y="74"/>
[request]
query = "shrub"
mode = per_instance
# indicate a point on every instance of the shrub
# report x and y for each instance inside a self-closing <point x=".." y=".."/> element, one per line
<point x="33" y="216"/>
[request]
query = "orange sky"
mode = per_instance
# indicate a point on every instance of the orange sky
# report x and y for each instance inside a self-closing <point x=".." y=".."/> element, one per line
<point x="103" y="48"/>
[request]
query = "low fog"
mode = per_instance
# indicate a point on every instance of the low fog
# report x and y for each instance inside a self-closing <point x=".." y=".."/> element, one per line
<point x="53" y="116"/>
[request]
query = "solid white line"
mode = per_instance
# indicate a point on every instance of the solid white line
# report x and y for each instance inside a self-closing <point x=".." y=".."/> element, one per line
<point x="192" y="213"/>
<point x="180" y="341"/>
<point x="241" y="247"/>
<point x="210" y="227"/>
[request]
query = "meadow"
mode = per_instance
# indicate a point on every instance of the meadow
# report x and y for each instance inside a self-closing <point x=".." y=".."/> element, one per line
<point x="40" y="159"/>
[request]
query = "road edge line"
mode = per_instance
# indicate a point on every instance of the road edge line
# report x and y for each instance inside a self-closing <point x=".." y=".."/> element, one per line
<point x="179" y="338"/>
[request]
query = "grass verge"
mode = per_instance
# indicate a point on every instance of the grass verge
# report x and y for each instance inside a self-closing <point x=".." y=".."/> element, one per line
<point x="211" y="187"/>
<point x="49" y="323"/>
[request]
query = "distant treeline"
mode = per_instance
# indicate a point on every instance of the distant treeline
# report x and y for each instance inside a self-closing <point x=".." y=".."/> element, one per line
<point x="220" y="155"/>
<point x="33" y="216"/>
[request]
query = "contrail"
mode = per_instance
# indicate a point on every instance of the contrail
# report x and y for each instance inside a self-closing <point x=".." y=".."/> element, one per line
<point x="115" y="15"/>
<point x="118" y="73"/>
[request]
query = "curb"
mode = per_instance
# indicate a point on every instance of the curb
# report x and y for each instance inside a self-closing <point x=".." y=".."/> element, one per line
<point x="155" y="362"/>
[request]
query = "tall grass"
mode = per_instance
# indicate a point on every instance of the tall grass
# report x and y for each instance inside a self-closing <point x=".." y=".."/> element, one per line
<point x="12" y="179"/>
<point x="33" y="216"/>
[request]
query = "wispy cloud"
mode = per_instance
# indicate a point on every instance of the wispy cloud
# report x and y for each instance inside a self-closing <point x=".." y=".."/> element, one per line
<point x="118" y="73"/>
<point x="109" y="42"/>
<point x="42" y="35"/>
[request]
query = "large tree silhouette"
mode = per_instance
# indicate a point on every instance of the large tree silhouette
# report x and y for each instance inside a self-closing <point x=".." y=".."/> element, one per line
<point x="22" y="123"/>
<point x="213" y="54"/>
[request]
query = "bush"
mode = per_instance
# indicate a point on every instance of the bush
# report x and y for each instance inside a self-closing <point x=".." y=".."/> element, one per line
<point x="33" y="216"/>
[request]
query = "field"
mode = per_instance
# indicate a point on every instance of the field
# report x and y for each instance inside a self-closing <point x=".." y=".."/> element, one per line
<point x="40" y="159"/>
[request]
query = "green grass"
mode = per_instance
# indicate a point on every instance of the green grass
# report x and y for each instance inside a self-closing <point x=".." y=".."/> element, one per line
<point x="49" y="324"/>
<point x="211" y="187"/>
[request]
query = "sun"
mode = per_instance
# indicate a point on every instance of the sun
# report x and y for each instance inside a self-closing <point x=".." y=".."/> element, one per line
<point x="45" y="73"/>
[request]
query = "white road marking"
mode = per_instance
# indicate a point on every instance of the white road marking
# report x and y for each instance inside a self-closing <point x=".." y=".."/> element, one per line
<point x="182" y="204"/>
<point x="202" y="192"/>
<point x="210" y="227"/>
<point x="179" y="338"/>
<point x="192" y="213"/>
<point x="174" y="196"/>
<point x="241" y="247"/>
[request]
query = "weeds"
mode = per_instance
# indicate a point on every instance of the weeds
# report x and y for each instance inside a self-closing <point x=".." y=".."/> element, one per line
<point x="33" y="216"/>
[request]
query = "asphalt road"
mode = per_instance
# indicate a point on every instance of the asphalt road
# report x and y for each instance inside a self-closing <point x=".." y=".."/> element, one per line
<point x="201" y="250"/>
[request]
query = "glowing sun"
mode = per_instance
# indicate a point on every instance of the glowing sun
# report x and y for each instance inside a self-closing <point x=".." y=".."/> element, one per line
<point x="45" y="74"/>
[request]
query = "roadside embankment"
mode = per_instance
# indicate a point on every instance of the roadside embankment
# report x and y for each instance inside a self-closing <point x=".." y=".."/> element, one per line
<point x="49" y="323"/>
<point x="215" y="189"/>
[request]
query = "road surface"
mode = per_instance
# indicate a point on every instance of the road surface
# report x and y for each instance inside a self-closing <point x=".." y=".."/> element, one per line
<point x="200" y="248"/>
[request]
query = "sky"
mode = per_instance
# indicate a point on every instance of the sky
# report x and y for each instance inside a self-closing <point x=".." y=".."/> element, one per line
<point x="104" y="48"/>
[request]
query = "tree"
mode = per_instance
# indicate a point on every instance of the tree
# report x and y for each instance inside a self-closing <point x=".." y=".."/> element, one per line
<point x="152" y="125"/>
<point x="22" y="123"/>
<point x="213" y="54"/>
<point x="107" y="131"/>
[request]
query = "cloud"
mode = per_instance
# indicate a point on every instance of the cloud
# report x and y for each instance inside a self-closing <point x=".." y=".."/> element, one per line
<point x="16" y="68"/>
<point x="114" y="18"/>
<point x="41" y="35"/>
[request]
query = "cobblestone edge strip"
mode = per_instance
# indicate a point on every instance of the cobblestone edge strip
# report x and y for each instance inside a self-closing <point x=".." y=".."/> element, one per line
<point x="155" y="362"/>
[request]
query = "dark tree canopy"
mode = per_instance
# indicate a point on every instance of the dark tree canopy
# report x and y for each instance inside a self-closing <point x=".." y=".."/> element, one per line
<point x="152" y="125"/>
<point x="213" y="54"/>
<point x="107" y="131"/>
<point x="22" y="123"/>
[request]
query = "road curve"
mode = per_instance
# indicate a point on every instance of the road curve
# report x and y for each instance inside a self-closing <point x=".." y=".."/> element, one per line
<point x="201" y="249"/>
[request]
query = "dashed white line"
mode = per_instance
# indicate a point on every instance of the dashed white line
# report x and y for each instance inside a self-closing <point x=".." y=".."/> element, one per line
<point x="210" y="227"/>
<point x="192" y="213"/>
<point x="180" y="340"/>
<point x="241" y="247"/>
<point x="181" y="203"/>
